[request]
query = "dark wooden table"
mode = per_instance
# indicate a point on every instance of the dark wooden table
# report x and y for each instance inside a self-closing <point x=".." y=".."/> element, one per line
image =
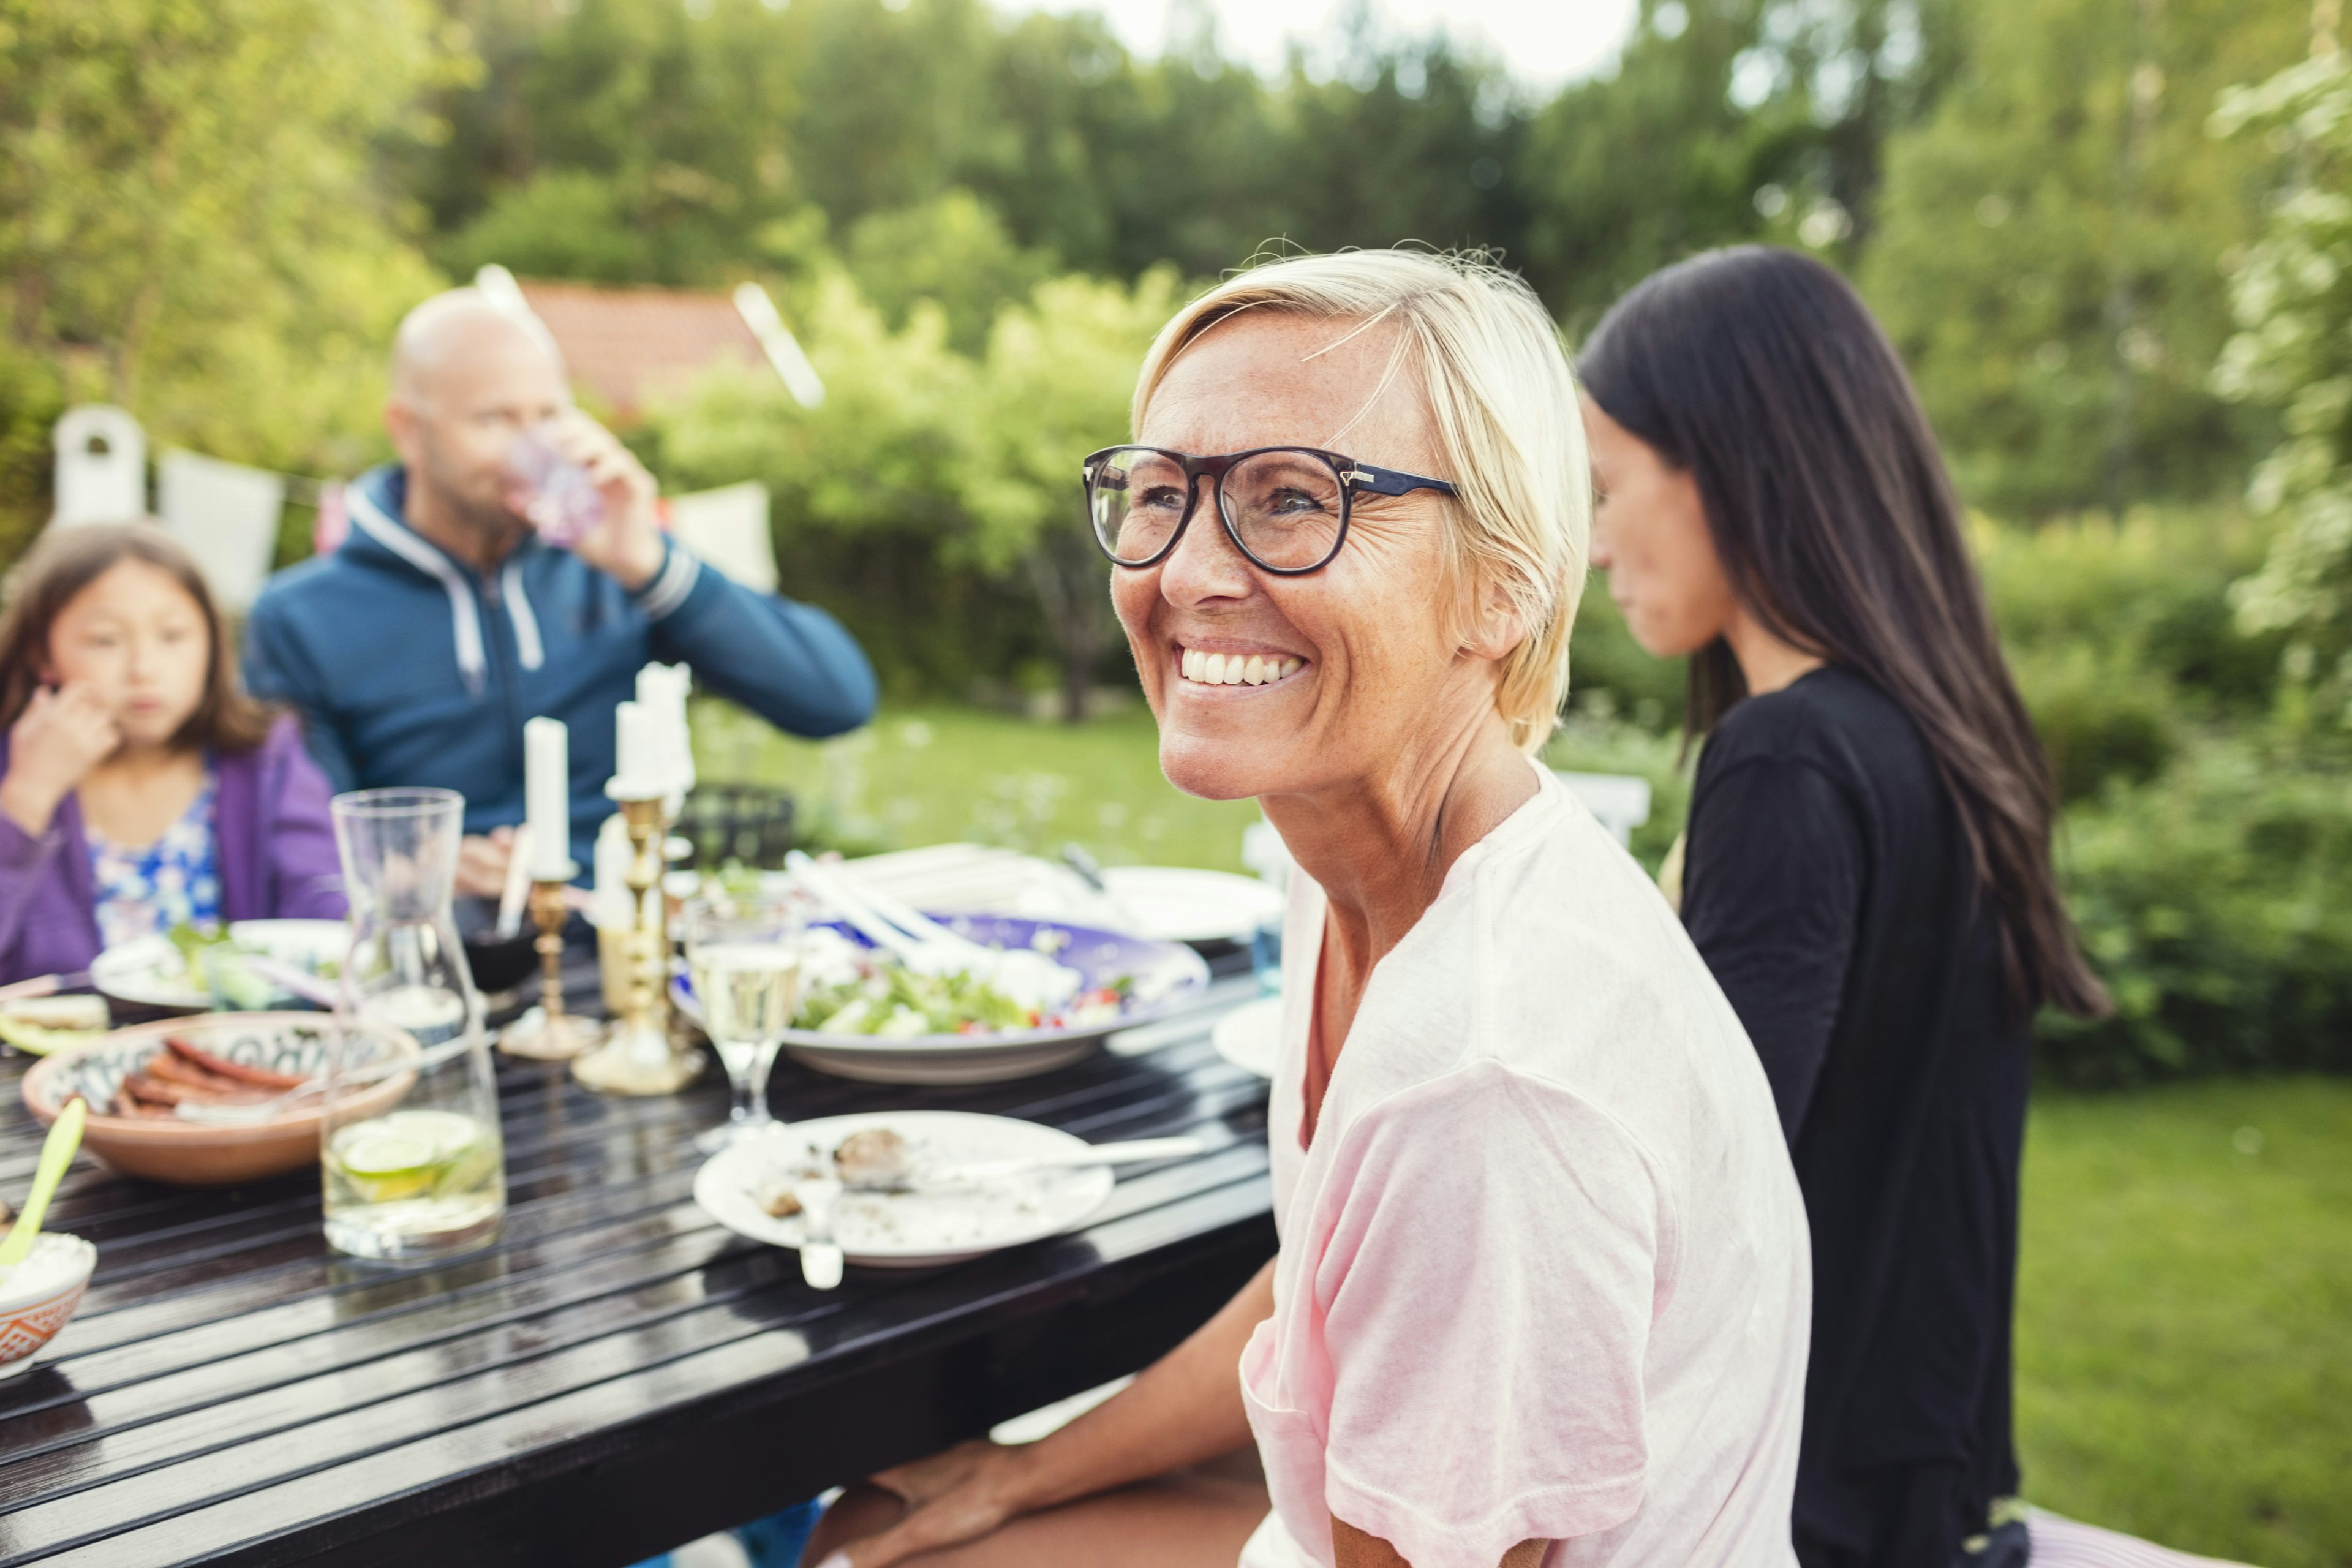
<point x="617" y="1375"/>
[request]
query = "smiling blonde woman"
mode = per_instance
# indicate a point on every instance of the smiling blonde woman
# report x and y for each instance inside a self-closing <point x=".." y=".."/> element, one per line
<point x="1542" y="1290"/>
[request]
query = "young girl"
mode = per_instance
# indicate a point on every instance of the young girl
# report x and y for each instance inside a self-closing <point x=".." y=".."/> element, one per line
<point x="139" y="787"/>
<point x="1868" y="869"/>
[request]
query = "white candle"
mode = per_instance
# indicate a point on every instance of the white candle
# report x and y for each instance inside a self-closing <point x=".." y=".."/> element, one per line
<point x="661" y="691"/>
<point x="614" y="907"/>
<point x="635" y="777"/>
<point x="547" y="797"/>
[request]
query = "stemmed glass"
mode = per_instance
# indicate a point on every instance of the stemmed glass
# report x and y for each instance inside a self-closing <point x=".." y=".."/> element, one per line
<point x="744" y="955"/>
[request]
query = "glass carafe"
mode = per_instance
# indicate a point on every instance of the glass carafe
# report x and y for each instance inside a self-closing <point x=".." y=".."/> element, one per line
<point x="412" y="1163"/>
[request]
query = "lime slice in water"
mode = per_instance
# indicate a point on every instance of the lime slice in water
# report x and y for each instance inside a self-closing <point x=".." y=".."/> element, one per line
<point x="448" y="1131"/>
<point x="388" y="1154"/>
<point x="403" y="1154"/>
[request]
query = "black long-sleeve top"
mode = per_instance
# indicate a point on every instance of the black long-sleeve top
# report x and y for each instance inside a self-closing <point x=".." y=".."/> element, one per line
<point x="1829" y="886"/>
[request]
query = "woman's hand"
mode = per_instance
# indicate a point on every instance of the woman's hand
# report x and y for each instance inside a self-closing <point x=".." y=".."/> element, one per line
<point x="1185" y="1408"/>
<point x="60" y="736"/>
<point x="952" y="1498"/>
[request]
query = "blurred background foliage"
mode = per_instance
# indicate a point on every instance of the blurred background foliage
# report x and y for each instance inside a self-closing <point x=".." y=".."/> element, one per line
<point x="2120" y="306"/>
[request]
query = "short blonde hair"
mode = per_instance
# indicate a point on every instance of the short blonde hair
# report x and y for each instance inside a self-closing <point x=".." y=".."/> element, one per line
<point x="1499" y="381"/>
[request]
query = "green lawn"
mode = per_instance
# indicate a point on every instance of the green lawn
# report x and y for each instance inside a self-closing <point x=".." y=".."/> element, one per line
<point x="2184" y="1365"/>
<point x="925" y="775"/>
<point x="2185" y="1308"/>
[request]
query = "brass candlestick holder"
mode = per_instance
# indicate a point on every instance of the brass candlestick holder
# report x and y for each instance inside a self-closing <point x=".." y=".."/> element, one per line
<point x="548" y="1033"/>
<point x="639" y="1058"/>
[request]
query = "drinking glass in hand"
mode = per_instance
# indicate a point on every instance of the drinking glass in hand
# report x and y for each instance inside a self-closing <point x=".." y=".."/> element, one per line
<point x="745" y="958"/>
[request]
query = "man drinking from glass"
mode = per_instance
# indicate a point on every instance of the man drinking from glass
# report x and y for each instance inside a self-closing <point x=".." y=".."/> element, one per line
<point x="510" y="564"/>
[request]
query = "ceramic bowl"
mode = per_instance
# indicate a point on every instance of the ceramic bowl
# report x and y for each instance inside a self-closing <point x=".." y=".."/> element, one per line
<point x="211" y="1154"/>
<point x="149" y="975"/>
<point x="499" y="964"/>
<point x="30" y="1317"/>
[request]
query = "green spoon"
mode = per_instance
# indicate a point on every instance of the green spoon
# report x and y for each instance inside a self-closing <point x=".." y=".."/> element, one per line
<point x="56" y="1154"/>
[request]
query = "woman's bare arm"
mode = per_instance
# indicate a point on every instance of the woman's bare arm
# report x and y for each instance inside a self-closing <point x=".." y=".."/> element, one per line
<point x="1184" y="1408"/>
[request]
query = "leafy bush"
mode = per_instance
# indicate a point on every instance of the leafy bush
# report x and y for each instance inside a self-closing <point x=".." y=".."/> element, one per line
<point x="2121" y="635"/>
<point x="2216" y="901"/>
<point x="1592" y="741"/>
<point x="2290" y="291"/>
<point x="2151" y="591"/>
<point x="2101" y="719"/>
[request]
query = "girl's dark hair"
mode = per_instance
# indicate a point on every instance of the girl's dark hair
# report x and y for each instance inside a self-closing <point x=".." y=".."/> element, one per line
<point x="63" y="563"/>
<point x="1761" y="373"/>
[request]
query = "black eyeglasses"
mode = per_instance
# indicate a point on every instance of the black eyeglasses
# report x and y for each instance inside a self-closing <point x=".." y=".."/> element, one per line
<point x="1285" y="506"/>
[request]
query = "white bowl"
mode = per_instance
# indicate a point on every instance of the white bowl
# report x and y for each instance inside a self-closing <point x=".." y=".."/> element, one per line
<point x="148" y="971"/>
<point x="40" y="1295"/>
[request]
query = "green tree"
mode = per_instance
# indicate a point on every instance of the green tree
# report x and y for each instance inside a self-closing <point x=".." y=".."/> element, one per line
<point x="2048" y="245"/>
<point x="1722" y="121"/>
<point x="953" y="251"/>
<point x="190" y="219"/>
<point x="1056" y="385"/>
<point x="2292" y="293"/>
<point x="618" y="139"/>
<point x="864" y="489"/>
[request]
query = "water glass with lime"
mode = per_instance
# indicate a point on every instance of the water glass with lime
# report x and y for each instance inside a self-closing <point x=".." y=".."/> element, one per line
<point x="409" y="1147"/>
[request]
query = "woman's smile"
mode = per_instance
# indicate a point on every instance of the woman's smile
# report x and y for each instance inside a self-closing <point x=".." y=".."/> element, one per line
<point x="1226" y="664"/>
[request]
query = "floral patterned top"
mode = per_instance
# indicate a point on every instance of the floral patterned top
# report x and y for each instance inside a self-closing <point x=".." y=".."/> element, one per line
<point x="175" y="879"/>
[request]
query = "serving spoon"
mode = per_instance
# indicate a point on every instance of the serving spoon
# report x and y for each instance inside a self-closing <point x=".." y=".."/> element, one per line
<point x="56" y="1154"/>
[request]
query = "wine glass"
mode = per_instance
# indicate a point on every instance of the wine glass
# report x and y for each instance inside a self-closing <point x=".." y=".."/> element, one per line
<point x="744" y="955"/>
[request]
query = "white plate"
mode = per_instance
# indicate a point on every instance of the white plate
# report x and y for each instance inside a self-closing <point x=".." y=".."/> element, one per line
<point x="1180" y="904"/>
<point x="1250" y="1037"/>
<point x="917" y="1229"/>
<point x="149" y="973"/>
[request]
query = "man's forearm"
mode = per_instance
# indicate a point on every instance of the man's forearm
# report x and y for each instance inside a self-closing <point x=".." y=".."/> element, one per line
<point x="792" y="664"/>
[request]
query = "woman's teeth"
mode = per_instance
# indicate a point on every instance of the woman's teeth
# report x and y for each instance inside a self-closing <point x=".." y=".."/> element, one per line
<point x="1236" y="669"/>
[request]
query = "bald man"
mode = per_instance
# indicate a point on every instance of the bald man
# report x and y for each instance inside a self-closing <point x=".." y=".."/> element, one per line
<point x="415" y="651"/>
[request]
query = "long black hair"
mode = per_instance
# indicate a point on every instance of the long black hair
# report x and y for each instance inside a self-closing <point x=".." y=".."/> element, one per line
<point x="1761" y="373"/>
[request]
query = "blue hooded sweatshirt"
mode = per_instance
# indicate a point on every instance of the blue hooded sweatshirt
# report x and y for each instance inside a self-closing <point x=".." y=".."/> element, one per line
<point x="411" y="668"/>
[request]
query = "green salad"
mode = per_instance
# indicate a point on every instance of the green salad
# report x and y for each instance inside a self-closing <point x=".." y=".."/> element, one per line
<point x="893" y="1002"/>
<point x="215" y="961"/>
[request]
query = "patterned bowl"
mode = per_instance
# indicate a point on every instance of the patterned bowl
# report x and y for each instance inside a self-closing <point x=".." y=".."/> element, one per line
<point x="211" y="1154"/>
<point x="55" y="1275"/>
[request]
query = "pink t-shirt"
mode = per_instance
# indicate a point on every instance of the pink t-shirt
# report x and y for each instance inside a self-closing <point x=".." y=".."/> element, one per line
<point x="1544" y="1270"/>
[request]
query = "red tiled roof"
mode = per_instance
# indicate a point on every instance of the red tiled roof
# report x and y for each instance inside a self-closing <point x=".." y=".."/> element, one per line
<point x="624" y="343"/>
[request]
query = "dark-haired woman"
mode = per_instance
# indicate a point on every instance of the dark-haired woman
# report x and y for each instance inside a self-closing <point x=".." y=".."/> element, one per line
<point x="139" y="788"/>
<point x="1867" y="869"/>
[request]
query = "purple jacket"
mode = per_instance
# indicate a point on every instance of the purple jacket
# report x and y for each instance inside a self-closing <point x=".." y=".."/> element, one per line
<point x="271" y="834"/>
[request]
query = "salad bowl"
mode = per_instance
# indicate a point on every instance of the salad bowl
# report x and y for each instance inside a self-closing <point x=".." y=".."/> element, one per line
<point x="1124" y="979"/>
<point x="168" y="972"/>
